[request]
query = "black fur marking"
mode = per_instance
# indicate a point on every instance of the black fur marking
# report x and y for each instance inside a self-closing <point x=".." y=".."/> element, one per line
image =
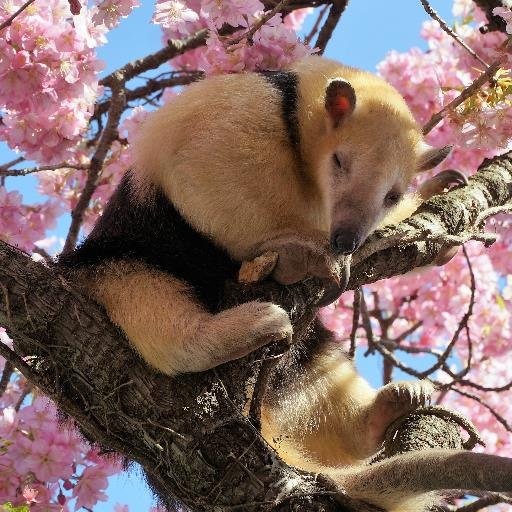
<point x="297" y="362"/>
<point x="155" y="233"/>
<point x="286" y="83"/>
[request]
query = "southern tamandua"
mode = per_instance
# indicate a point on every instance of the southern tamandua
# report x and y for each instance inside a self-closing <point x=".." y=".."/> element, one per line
<point x="305" y="162"/>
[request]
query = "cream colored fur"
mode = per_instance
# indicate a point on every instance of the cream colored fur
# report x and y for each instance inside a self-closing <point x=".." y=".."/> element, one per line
<point x="220" y="152"/>
<point x="169" y="329"/>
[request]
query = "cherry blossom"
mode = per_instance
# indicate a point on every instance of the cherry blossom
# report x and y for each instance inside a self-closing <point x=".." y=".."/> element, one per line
<point x="174" y="15"/>
<point x="48" y="79"/>
<point x="109" y="12"/>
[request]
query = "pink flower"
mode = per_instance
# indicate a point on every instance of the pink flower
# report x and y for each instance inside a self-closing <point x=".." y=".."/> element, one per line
<point x="92" y="484"/>
<point x="47" y="70"/>
<point x="30" y="494"/>
<point x="236" y="13"/>
<point x="110" y="11"/>
<point x="174" y="15"/>
<point x="295" y="19"/>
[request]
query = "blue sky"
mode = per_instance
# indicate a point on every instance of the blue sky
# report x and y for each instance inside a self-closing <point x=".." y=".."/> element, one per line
<point x="367" y="31"/>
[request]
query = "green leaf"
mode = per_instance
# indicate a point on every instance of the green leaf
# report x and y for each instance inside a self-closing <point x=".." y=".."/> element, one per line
<point x="8" y="507"/>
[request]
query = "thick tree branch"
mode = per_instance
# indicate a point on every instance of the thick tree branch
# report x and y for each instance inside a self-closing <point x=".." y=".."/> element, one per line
<point x="188" y="433"/>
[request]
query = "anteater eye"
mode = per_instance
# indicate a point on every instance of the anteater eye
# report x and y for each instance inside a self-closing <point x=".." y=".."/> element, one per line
<point x="392" y="199"/>
<point x="337" y="161"/>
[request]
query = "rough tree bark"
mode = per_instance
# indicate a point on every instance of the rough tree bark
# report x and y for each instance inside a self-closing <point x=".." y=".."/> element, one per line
<point x="188" y="433"/>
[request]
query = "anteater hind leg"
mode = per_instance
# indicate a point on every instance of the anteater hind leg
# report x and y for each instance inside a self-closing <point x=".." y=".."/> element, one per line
<point x="326" y="415"/>
<point x="170" y="329"/>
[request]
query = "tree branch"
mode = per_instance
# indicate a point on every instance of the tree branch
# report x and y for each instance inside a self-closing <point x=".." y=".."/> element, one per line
<point x="189" y="433"/>
<point x="155" y="60"/>
<point x="471" y="89"/>
<point x="107" y="137"/>
<point x="32" y="170"/>
<point x="152" y="86"/>
<point x="11" y="18"/>
<point x="435" y="16"/>
<point x="337" y="9"/>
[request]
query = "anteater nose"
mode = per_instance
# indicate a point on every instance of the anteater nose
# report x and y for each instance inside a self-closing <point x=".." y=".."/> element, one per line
<point x="345" y="241"/>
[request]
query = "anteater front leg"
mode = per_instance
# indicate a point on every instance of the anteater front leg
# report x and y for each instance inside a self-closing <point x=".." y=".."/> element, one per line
<point x="170" y="329"/>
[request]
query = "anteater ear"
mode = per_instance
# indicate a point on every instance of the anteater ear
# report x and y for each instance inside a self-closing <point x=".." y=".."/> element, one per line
<point x="340" y="100"/>
<point x="429" y="157"/>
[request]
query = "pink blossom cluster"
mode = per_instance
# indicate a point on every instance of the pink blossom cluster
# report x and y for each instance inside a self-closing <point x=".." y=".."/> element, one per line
<point x="23" y="225"/>
<point x="48" y="78"/>
<point x="64" y="186"/>
<point x="506" y="14"/>
<point x="45" y="464"/>
<point x="109" y="12"/>
<point x="273" y="46"/>
<point x="480" y="127"/>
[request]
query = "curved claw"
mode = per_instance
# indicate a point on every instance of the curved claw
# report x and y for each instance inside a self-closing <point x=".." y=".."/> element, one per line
<point x="336" y="286"/>
<point x="441" y="181"/>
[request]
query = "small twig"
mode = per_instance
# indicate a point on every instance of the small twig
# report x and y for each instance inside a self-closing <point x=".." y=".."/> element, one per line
<point x="27" y="389"/>
<point x="405" y="334"/>
<point x="466" y="93"/>
<point x="155" y="60"/>
<point x="435" y="15"/>
<point x="386" y="353"/>
<point x="106" y="139"/>
<point x="11" y="18"/>
<point x="506" y="208"/>
<point x="152" y="86"/>
<point x="476" y="398"/>
<point x="367" y="325"/>
<point x="6" y="376"/>
<point x="260" y="389"/>
<point x="355" y="322"/>
<point x="31" y="170"/>
<point x="256" y="26"/>
<point x="8" y="165"/>
<point x="316" y="26"/>
<point x="462" y="324"/>
<point x="337" y="9"/>
<point x="459" y="377"/>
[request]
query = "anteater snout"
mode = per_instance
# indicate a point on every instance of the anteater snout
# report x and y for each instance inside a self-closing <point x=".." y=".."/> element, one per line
<point x="345" y="241"/>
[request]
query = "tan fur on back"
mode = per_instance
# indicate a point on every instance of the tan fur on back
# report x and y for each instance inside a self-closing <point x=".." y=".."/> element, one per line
<point x="223" y="145"/>
<point x="250" y="165"/>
